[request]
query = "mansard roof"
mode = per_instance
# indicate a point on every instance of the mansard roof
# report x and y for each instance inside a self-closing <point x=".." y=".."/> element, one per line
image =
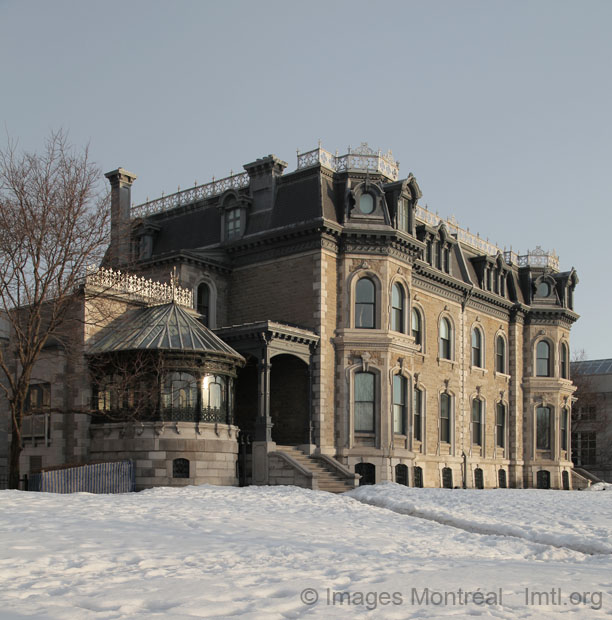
<point x="167" y="327"/>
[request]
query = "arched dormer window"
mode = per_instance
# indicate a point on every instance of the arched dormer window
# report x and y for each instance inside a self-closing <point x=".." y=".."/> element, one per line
<point x="365" y="304"/>
<point x="543" y="365"/>
<point x="366" y="204"/>
<point x="397" y="308"/>
<point x="564" y="355"/>
<point x="500" y="354"/>
<point x="445" y="340"/>
<point x="233" y="223"/>
<point x="477" y="347"/>
<point x="477" y="425"/>
<point x="416" y="324"/>
<point x="203" y="302"/>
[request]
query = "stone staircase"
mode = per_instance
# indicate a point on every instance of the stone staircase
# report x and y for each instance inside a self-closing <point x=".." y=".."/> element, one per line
<point x="327" y="478"/>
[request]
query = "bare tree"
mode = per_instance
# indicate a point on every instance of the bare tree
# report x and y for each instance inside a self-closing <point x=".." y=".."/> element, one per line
<point x="53" y="223"/>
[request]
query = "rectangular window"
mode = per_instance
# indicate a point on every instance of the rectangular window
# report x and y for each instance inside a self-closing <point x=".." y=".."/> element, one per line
<point x="399" y="404"/>
<point x="445" y="417"/>
<point x="417" y="412"/>
<point x="403" y="219"/>
<point x="500" y="425"/>
<point x="364" y="402"/>
<point x="584" y="448"/>
<point x="232" y="223"/>
<point x="477" y="422"/>
<point x="543" y="428"/>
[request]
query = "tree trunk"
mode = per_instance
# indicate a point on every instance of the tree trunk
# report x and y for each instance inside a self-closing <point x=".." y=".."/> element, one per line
<point x="14" y="455"/>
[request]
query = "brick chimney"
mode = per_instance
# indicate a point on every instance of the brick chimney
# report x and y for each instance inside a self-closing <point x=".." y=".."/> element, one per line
<point x="121" y="183"/>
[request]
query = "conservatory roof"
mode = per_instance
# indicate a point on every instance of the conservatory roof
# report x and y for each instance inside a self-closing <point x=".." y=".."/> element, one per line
<point x="168" y="327"/>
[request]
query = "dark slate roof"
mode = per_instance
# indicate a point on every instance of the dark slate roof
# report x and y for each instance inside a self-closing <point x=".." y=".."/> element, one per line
<point x="168" y="327"/>
<point x="593" y="367"/>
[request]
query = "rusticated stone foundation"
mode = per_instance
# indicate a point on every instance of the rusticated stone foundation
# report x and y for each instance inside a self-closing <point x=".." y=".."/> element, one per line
<point x="210" y="449"/>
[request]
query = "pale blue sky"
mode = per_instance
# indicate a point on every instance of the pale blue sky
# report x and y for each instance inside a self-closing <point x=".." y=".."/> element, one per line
<point x="501" y="109"/>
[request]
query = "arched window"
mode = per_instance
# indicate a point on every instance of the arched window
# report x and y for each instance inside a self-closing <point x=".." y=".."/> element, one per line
<point x="364" y="402"/>
<point x="479" y="478"/>
<point x="401" y="474"/>
<point x="367" y="471"/>
<point x="477" y="422"/>
<point x="502" y="480"/>
<point x="564" y="361"/>
<point x="565" y="479"/>
<point x="180" y="395"/>
<point x="445" y="339"/>
<point x="180" y="468"/>
<point x="203" y="302"/>
<point x="500" y="355"/>
<point x="477" y="347"/>
<point x="564" y="423"/>
<point x="543" y="479"/>
<point x="400" y="389"/>
<point x="500" y="425"/>
<point x="418" y="477"/>
<point x="365" y="304"/>
<point x="543" y="428"/>
<point x="214" y="398"/>
<point x="445" y="417"/>
<point x="543" y="359"/>
<point x="417" y="413"/>
<point x="397" y="308"/>
<point x="416" y="326"/>
<point x="447" y="478"/>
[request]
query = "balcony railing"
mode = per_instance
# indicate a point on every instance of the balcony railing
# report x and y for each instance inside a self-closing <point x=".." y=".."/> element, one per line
<point x="144" y="289"/>
<point x="362" y="158"/>
<point x="533" y="258"/>
<point x="189" y="196"/>
<point x="214" y="415"/>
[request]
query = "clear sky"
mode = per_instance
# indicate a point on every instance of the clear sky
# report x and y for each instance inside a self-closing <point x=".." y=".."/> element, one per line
<point x="501" y="109"/>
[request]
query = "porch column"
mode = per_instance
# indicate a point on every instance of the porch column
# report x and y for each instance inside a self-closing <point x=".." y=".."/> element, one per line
<point x="263" y="444"/>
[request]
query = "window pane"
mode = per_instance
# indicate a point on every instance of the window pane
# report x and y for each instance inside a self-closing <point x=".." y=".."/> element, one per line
<point x="501" y="355"/>
<point x="364" y="417"/>
<point x="417" y="407"/>
<point x="399" y="404"/>
<point x="500" y="425"/>
<point x="364" y="401"/>
<point x="543" y="359"/>
<point x="543" y="428"/>
<point x="366" y="204"/>
<point x="445" y="417"/>
<point x="364" y="292"/>
<point x="364" y="386"/>
<point x="416" y="326"/>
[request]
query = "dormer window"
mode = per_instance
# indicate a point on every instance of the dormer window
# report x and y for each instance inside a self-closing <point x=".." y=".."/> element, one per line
<point x="366" y="204"/>
<point x="543" y="289"/>
<point x="403" y="216"/>
<point x="232" y="223"/>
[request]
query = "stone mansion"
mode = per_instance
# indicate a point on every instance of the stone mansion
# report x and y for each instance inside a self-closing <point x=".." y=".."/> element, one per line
<point x="322" y="323"/>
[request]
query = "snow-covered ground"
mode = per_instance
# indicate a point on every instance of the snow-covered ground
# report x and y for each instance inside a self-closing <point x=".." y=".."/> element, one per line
<point x="269" y="552"/>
